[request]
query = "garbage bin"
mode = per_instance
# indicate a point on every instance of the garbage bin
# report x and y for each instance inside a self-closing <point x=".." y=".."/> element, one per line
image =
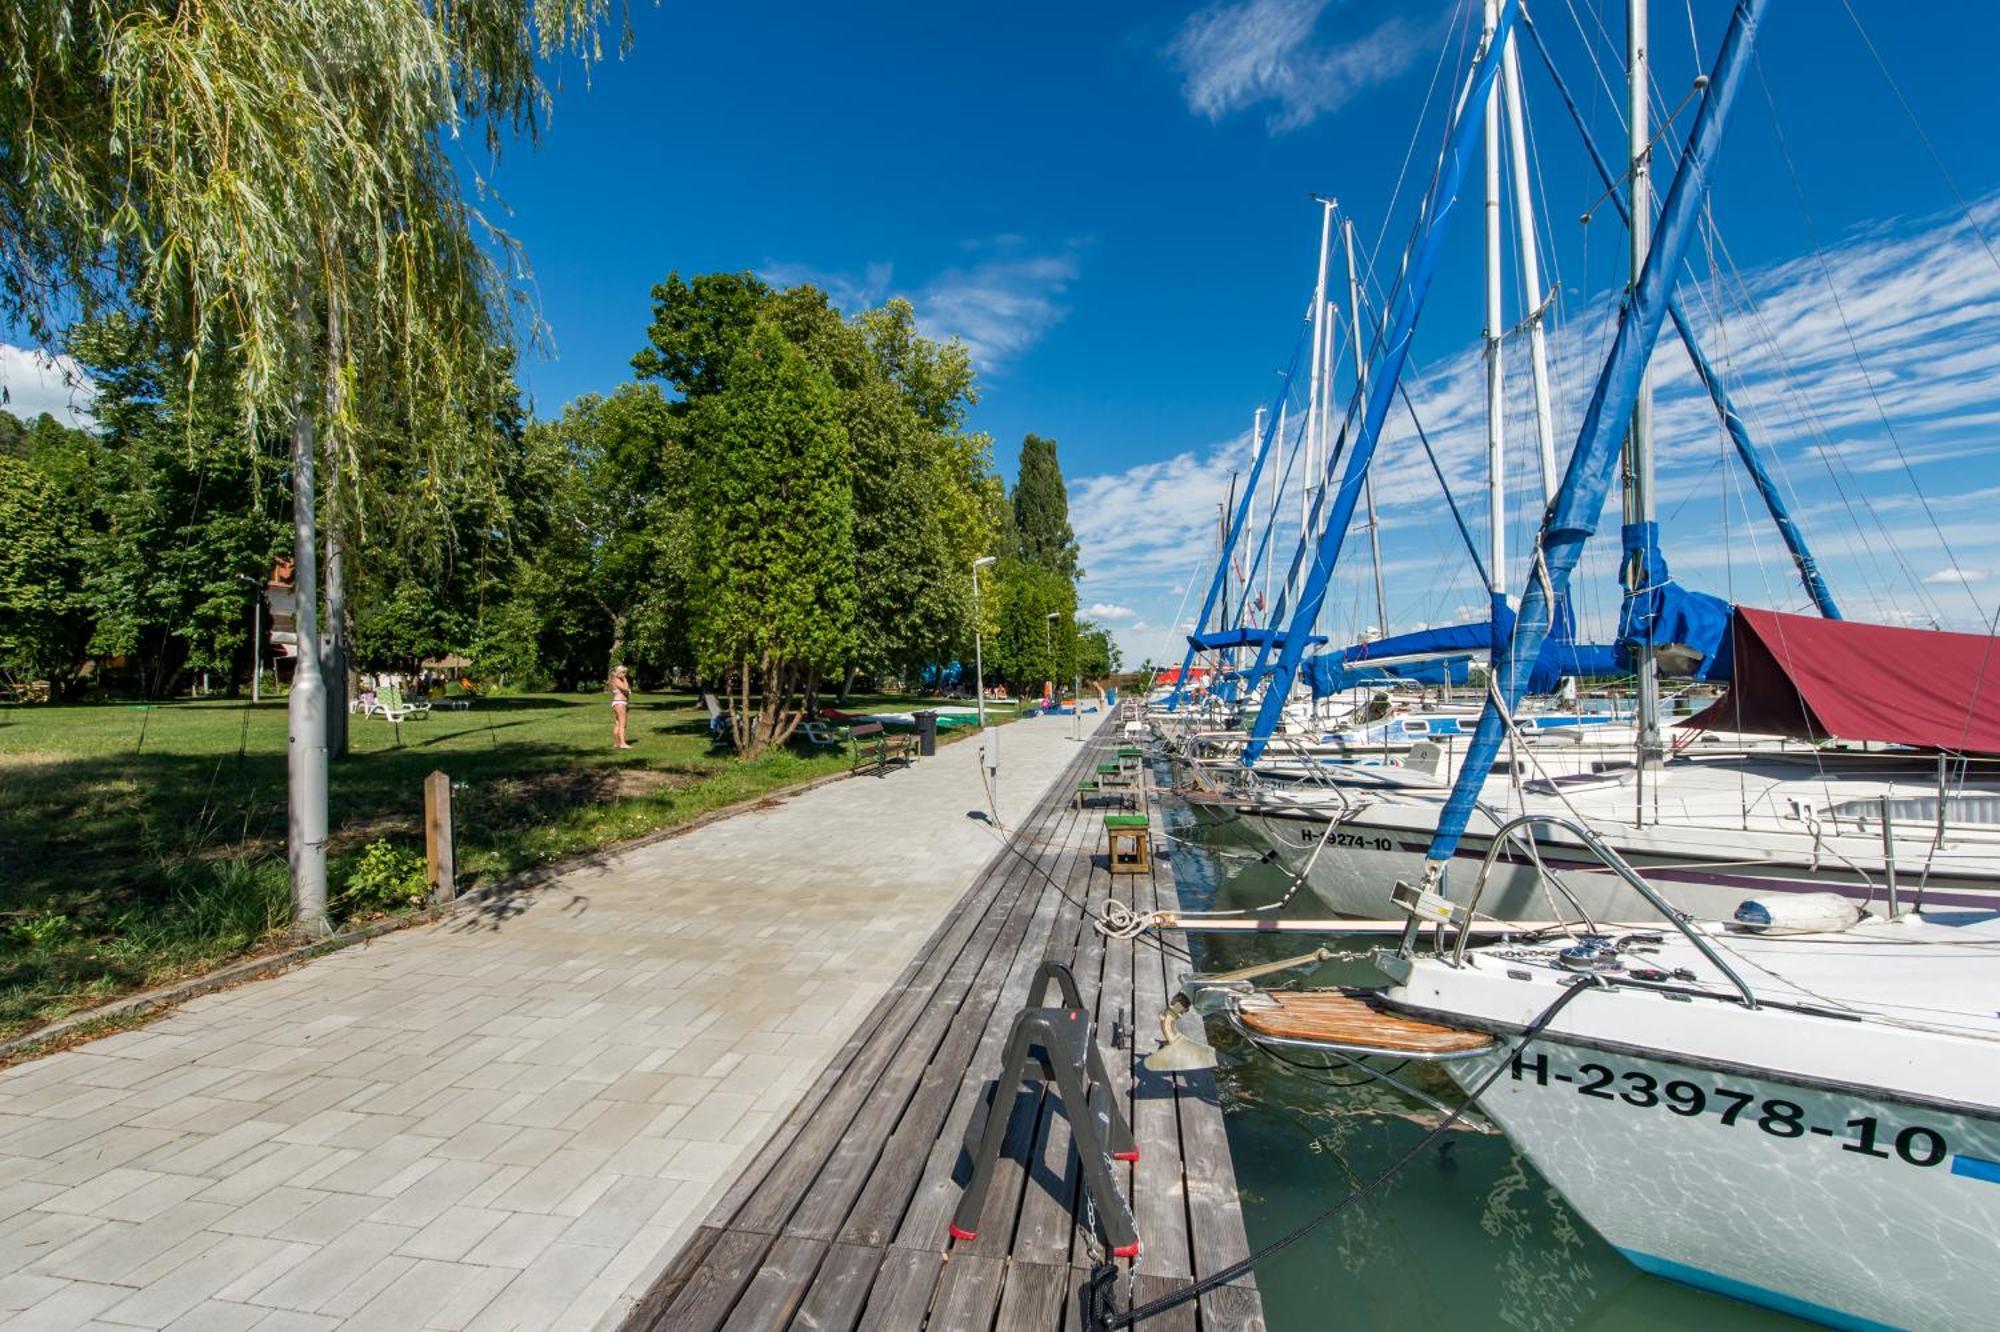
<point x="926" y="733"/>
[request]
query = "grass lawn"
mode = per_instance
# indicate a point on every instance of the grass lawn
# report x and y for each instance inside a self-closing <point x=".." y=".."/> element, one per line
<point x="142" y="844"/>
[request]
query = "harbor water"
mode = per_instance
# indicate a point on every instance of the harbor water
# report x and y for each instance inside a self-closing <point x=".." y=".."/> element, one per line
<point x="1468" y="1237"/>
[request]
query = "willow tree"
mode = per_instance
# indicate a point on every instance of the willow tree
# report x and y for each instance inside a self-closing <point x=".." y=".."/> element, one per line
<point x="276" y="179"/>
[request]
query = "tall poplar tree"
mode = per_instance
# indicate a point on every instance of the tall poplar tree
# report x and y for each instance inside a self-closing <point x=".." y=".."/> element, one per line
<point x="1041" y="510"/>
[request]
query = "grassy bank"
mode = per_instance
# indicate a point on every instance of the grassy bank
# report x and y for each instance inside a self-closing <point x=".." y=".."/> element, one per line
<point x="138" y="845"/>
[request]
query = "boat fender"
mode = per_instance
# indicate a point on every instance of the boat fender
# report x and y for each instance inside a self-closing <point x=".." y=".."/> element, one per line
<point x="1798" y="913"/>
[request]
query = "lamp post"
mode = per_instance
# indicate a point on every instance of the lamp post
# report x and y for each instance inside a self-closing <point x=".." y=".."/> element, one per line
<point x="978" y="657"/>
<point x="1049" y="642"/>
<point x="256" y="640"/>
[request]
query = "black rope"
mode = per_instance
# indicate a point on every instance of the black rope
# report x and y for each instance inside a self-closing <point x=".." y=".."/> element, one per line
<point x="1224" y="1276"/>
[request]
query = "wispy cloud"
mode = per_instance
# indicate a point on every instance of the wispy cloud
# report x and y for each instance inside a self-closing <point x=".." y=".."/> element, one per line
<point x="34" y="382"/>
<point x="1955" y="575"/>
<point x="1232" y="56"/>
<point x="1105" y="610"/>
<point x="999" y="304"/>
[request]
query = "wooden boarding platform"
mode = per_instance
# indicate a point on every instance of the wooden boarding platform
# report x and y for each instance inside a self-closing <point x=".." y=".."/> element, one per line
<point x="1337" y="1017"/>
<point x="840" y="1221"/>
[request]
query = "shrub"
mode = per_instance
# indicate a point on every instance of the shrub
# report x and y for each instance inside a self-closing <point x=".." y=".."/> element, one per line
<point x="386" y="878"/>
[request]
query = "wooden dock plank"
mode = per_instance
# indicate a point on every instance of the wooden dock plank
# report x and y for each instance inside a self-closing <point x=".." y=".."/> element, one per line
<point x="839" y="1292"/>
<point x="1159" y="1181"/>
<point x="968" y="1294"/>
<point x="774" y="1293"/>
<point x="712" y="1290"/>
<point x="902" y="1291"/>
<point x="1034" y="1297"/>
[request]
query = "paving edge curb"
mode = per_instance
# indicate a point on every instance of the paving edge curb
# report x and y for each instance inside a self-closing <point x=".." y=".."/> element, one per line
<point x="28" y="1044"/>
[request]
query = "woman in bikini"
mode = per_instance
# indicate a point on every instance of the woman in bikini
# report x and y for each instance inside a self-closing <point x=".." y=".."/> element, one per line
<point x="621" y="703"/>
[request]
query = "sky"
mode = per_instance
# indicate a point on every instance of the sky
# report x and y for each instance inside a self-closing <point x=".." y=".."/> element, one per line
<point x="1109" y="204"/>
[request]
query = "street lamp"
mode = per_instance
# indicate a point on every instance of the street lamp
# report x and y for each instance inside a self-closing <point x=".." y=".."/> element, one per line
<point x="256" y="640"/>
<point x="1049" y="639"/>
<point x="978" y="658"/>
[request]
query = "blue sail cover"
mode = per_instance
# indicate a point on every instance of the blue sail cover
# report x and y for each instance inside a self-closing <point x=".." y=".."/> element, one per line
<point x="1244" y="636"/>
<point x="1451" y="649"/>
<point x="1660" y="613"/>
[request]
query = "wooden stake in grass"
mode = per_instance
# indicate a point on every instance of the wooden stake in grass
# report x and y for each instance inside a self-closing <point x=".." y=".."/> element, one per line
<point x="440" y="846"/>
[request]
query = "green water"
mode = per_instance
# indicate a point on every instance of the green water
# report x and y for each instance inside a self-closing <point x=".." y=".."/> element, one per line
<point x="1468" y="1237"/>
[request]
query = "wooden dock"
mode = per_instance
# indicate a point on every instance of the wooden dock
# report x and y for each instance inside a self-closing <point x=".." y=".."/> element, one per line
<point x="840" y="1221"/>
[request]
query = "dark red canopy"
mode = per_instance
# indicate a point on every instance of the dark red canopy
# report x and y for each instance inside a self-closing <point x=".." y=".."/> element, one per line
<point x="1814" y="679"/>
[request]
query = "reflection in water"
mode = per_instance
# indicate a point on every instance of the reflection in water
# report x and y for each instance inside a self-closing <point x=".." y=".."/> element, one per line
<point x="1469" y="1237"/>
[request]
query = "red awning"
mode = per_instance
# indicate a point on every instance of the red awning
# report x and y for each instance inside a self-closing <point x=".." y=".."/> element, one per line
<point x="1814" y="679"/>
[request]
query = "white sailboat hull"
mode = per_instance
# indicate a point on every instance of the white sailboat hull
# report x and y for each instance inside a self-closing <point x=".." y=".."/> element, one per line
<point x="1857" y="1211"/>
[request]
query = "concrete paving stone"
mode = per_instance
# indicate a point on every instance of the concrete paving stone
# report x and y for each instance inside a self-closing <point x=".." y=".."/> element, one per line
<point x="121" y="1253"/>
<point x="274" y="1210"/>
<point x="17" y="1196"/>
<point x="413" y="1299"/>
<point x="218" y="1149"/>
<point x="288" y="1255"/>
<point x="518" y="1241"/>
<point x="501" y="1180"/>
<point x="70" y="1305"/>
<point x="545" y="1187"/>
<point x="714" y="1117"/>
<point x="447" y="1184"/>
<point x="372" y="1130"/>
<point x="327" y="1219"/>
<point x="152" y="1198"/>
<point x="541" y="1295"/>
<point x="388" y="1160"/>
<point x="530" y="1146"/>
<point x="456" y="1232"/>
<point x="338" y="1269"/>
<point x="218" y="1316"/>
<point x="20" y="1291"/>
<point x="174" y="1294"/>
<point x="204" y="1114"/>
<point x="100" y="1191"/>
<point x="626" y="1205"/>
<point x="476" y="1142"/>
<point x="704" y="1161"/>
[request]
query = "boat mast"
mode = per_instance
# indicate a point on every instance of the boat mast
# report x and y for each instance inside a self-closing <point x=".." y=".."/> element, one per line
<point x="1250" y="517"/>
<point x="1309" y="479"/>
<point x="1277" y="489"/>
<point x="1532" y="294"/>
<point x="1360" y="394"/>
<point x="1496" y="462"/>
<point x="1639" y="439"/>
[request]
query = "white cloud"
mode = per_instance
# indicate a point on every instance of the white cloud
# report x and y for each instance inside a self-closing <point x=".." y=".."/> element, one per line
<point x="35" y="382"/>
<point x="1104" y="610"/>
<point x="1232" y="56"/>
<point x="999" y="304"/>
<point x="1955" y="575"/>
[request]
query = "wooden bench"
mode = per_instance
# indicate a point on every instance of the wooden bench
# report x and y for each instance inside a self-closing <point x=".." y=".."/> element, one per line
<point x="876" y="746"/>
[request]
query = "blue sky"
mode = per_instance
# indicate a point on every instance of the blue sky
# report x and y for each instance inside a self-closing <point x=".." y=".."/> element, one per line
<point x="1109" y="204"/>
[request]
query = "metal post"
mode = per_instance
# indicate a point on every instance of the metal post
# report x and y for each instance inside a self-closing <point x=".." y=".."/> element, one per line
<point x="1531" y="269"/>
<point x="1496" y="406"/>
<point x="1889" y="859"/>
<point x="1639" y="441"/>
<point x="306" y="817"/>
<point x="1360" y="350"/>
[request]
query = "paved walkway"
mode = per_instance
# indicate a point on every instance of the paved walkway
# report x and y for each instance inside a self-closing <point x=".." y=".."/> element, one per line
<point x="508" y="1120"/>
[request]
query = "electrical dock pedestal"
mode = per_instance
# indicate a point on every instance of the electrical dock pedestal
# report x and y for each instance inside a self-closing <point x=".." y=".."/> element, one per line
<point x="843" y="1220"/>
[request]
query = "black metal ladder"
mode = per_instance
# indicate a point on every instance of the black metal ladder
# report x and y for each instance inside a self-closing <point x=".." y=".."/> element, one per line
<point x="1064" y="1047"/>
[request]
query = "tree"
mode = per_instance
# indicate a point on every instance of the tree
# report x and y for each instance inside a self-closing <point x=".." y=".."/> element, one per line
<point x="1097" y="651"/>
<point x="278" y="180"/>
<point x="1028" y="647"/>
<point x="182" y="534"/>
<point x="44" y="623"/>
<point x="602" y="584"/>
<point x="772" y="596"/>
<point x="1041" y="510"/>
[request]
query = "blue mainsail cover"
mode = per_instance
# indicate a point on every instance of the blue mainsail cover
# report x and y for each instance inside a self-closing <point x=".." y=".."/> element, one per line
<point x="1447" y="652"/>
<point x="1660" y="613"/>
<point x="1244" y="636"/>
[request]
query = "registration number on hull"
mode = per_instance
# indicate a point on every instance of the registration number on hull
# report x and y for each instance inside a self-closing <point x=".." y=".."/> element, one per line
<point x="1862" y="1135"/>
